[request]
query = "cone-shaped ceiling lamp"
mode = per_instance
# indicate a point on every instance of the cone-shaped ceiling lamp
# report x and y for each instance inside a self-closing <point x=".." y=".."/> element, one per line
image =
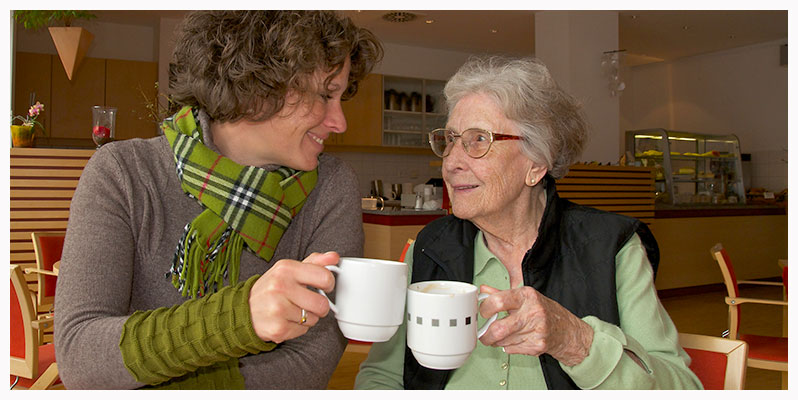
<point x="72" y="43"/>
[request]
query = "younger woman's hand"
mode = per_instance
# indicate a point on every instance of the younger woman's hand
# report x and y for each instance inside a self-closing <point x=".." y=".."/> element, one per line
<point x="278" y="297"/>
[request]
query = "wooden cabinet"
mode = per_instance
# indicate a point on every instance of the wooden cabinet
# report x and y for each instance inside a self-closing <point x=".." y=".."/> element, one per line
<point x="367" y="118"/>
<point x="72" y="100"/>
<point x="129" y="85"/>
<point x="67" y="113"/>
<point x="363" y="115"/>
<point x="33" y="78"/>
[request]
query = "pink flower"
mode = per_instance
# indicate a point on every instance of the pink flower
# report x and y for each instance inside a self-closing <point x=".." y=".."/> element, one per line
<point x="35" y="109"/>
<point x="33" y="113"/>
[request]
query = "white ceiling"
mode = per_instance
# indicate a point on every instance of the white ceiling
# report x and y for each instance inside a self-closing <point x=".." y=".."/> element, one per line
<point x="647" y="36"/>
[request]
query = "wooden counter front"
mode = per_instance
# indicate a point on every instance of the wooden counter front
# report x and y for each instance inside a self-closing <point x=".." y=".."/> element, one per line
<point x="755" y="244"/>
<point x="386" y="233"/>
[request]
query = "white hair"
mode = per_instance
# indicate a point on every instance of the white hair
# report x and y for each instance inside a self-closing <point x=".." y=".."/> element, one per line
<point x="549" y="120"/>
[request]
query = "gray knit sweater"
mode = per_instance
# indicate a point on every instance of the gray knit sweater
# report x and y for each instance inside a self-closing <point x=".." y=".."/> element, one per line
<point x="126" y="217"/>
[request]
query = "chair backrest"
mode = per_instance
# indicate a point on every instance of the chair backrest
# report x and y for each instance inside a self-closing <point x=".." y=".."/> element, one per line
<point x="23" y="338"/>
<point x="726" y="268"/>
<point x="47" y="246"/>
<point x="404" y="250"/>
<point x="730" y="279"/>
<point x="719" y="363"/>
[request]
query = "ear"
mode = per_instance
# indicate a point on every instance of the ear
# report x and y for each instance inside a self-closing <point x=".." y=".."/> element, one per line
<point x="535" y="174"/>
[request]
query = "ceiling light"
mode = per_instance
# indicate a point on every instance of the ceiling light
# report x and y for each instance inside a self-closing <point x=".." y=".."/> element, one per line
<point x="686" y="27"/>
<point x="399" y="16"/>
<point x="493" y="31"/>
<point x="429" y="21"/>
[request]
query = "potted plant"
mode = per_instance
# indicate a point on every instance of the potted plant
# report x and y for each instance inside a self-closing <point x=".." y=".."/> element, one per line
<point x="71" y="42"/>
<point x="23" y="135"/>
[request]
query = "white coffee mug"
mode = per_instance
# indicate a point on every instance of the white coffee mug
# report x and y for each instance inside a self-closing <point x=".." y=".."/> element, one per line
<point x="369" y="297"/>
<point x="442" y="322"/>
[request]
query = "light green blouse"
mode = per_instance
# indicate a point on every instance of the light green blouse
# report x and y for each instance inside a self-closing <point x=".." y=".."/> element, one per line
<point x="646" y="330"/>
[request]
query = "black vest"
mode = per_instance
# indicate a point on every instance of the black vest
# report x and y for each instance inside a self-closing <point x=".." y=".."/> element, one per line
<point x="571" y="262"/>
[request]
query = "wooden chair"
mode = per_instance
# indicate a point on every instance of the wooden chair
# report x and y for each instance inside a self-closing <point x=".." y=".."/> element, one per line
<point x="47" y="246"/>
<point x="404" y="250"/>
<point x="765" y="352"/>
<point x="32" y="366"/>
<point x="718" y="362"/>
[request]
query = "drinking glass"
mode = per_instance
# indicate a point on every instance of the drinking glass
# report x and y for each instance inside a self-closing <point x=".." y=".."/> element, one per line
<point x="103" y="124"/>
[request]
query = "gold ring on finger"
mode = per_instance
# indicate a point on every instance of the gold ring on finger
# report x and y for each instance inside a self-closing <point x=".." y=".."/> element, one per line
<point x="304" y="317"/>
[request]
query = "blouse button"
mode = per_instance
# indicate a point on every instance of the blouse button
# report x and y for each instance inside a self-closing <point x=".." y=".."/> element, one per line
<point x="505" y="365"/>
<point x="502" y="382"/>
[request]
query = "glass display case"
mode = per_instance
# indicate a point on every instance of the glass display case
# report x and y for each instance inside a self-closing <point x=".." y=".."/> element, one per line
<point x="411" y="108"/>
<point x="690" y="168"/>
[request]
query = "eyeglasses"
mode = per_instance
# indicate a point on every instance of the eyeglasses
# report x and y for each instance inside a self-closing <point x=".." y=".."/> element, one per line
<point x="476" y="142"/>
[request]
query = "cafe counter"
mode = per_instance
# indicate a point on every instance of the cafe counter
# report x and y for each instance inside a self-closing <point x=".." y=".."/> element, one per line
<point x="387" y="231"/>
<point x="755" y="237"/>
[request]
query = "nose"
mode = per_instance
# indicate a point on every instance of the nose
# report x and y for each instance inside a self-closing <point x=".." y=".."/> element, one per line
<point x="457" y="157"/>
<point x="335" y="119"/>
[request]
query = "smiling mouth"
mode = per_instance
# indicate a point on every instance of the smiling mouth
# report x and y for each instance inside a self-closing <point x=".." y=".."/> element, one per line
<point x="465" y="187"/>
<point x="316" y="139"/>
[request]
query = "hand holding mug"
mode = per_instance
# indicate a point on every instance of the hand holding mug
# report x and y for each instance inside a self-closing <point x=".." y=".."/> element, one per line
<point x="535" y="325"/>
<point x="278" y="297"/>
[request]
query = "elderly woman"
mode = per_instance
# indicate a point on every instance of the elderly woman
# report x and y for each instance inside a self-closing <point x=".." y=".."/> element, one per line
<point x="191" y="258"/>
<point x="575" y="285"/>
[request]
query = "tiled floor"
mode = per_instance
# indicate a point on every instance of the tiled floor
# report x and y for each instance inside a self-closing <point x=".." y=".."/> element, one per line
<point x="704" y="313"/>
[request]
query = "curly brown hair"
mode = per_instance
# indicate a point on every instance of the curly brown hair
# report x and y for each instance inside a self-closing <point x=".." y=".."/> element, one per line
<point x="241" y="64"/>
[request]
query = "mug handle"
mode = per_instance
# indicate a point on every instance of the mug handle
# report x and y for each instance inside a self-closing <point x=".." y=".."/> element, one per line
<point x="331" y="268"/>
<point x="483" y="296"/>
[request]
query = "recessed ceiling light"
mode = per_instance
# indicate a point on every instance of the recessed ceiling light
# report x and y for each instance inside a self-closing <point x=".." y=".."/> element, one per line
<point x="493" y="31"/>
<point x="634" y="16"/>
<point x="429" y="21"/>
<point x="399" y="16"/>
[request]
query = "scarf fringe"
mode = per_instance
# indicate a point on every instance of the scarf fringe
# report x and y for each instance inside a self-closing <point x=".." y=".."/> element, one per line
<point x="214" y="263"/>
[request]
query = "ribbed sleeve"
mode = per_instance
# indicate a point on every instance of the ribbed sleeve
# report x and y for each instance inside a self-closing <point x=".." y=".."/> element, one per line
<point x="166" y="343"/>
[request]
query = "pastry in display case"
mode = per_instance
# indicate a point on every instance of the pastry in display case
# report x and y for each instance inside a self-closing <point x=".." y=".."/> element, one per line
<point x="690" y="168"/>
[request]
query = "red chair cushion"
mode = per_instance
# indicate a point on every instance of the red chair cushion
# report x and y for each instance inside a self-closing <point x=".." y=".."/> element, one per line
<point x="46" y="357"/>
<point x="709" y="367"/>
<point x="17" y="326"/>
<point x="51" y="247"/>
<point x="766" y="347"/>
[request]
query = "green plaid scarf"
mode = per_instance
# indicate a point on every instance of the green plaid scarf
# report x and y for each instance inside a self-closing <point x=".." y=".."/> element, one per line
<point x="243" y="205"/>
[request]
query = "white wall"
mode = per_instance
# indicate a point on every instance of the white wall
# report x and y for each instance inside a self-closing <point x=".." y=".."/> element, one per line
<point x="571" y="44"/>
<point x="741" y="91"/>
<point x="419" y="62"/>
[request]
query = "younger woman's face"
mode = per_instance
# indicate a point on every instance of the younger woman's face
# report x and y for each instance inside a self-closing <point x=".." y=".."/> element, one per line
<point x="294" y="137"/>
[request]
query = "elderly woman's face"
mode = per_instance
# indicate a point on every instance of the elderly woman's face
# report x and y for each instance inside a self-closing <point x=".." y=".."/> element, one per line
<point x="481" y="187"/>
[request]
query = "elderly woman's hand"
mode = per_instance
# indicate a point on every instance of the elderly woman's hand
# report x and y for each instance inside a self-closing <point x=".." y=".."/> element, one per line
<point x="535" y="325"/>
<point x="278" y="297"/>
